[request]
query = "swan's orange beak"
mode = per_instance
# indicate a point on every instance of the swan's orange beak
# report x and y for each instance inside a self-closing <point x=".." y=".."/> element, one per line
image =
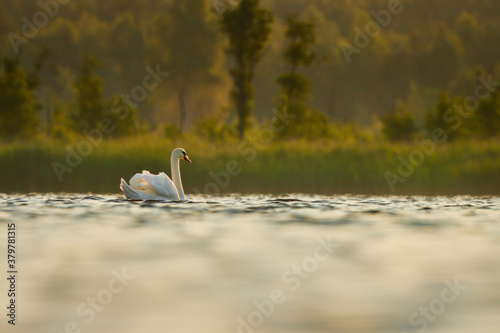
<point x="187" y="158"/>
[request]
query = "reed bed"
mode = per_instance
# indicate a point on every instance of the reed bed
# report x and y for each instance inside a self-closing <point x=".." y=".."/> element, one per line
<point x="319" y="167"/>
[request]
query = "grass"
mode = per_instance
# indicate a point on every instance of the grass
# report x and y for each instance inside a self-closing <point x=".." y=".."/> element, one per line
<point x="280" y="167"/>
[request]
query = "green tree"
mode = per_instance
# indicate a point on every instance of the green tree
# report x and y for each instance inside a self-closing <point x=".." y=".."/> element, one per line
<point x="486" y="119"/>
<point x="301" y="36"/>
<point x="438" y="117"/>
<point x="443" y="57"/>
<point x="215" y="127"/>
<point x="171" y="131"/>
<point x="188" y="42"/>
<point x="127" y="69"/>
<point x="399" y="124"/>
<point x="88" y="104"/>
<point x="294" y="87"/>
<point x="247" y="27"/>
<point x="124" y="117"/>
<point x="467" y="28"/>
<point x="59" y="126"/>
<point x="34" y="79"/>
<point x="18" y="104"/>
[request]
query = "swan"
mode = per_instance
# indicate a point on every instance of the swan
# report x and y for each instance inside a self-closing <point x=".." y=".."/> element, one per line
<point x="145" y="186"/>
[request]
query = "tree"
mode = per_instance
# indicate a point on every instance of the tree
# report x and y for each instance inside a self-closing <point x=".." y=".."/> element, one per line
<point x="123" y="35"/>
<point x="399" y="124"/>
<point x="89" y="109"/>
<point x="300" y="36"/>
<point x="59" y="127"/>
<point x="439" y="117"/>
<point x="443" y="57"/>
<point x="468" y="28"/>
<point x="18" y="104"/>
<point x="247" y="27"/>
<point x="295" y="88"/>
<point x="486" y="119"/>
<point x="34" y="79"/>
<point x="124" y="117"/>
<point x="188" y="42"/>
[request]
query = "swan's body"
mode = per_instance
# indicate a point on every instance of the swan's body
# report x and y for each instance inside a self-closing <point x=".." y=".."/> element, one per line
<point x="145" y="186"/>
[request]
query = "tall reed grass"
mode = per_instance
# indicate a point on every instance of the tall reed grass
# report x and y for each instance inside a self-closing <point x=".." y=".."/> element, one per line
<point x="289" y="167"/>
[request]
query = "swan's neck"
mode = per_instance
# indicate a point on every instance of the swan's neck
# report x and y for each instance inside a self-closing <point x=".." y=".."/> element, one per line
<point x="176" y="176"/>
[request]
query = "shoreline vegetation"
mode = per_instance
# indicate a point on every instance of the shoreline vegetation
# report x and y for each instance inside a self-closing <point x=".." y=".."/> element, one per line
<point x="365" y="98"/>
<point x="351" y="166"/>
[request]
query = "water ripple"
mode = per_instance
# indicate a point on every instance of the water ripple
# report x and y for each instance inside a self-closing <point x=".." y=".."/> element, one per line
<point x="202" y="264"/>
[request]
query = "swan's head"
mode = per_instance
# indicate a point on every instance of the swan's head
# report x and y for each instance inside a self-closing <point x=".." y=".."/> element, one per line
<point x="180" y="153"/>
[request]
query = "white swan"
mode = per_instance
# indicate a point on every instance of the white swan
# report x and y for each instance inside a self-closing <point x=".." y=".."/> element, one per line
<point x="145" y="186"/>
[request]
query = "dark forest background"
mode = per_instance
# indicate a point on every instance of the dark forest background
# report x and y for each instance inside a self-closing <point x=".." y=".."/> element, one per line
<point x="431" y="46"/>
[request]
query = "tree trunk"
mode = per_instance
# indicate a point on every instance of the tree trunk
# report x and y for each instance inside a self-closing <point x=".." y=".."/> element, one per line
<point x="242" y="95"/>
<point x="49" y="121"/>
<point x="289" y="94"/>
<point x="242" y="121"/>
<point x="182" y="108"/>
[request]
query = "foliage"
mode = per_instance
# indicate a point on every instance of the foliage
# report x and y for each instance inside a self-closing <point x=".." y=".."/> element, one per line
<point x="438" y="118"/>
<point x="247" y="27"/>
<point x="34" y="80"/>
<point x="123" y="116"/>
<point x="305" y="124"/>
<point x="59" y="126"/>
<point x="171" y="131"/>
<point x="399" y="124"/>
<point x="316" y="167"/>
<point x="430" y="46"/>
<point x="18" y="104"/>
<point x="300" y="35"/>
<point x="192" y="64"/>
<point x="88" y="104"/>
<point x="91" y="112"/>
<point x="295" y="88"/>
<point x="215" y="128"/>
<point x="486" y="119"/>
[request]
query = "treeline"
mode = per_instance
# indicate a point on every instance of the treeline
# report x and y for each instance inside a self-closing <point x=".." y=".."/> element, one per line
<point x="363" y="61"/>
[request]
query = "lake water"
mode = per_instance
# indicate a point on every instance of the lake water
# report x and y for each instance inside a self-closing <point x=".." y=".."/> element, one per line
<point x="270" y="264"/>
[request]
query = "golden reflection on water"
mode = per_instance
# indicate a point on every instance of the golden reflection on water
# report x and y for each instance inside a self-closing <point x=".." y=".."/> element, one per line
<point x="255" y="264"/>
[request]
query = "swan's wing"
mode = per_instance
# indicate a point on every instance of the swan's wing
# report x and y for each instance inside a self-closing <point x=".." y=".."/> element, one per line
<point x="161" y="185"/>
<point x="128" y="191"/>
<point x="131" y="193"/>
<point x="139" y="183"/>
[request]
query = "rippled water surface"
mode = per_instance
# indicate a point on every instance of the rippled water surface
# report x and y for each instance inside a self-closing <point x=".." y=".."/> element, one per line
<point x="253" y="264"/>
